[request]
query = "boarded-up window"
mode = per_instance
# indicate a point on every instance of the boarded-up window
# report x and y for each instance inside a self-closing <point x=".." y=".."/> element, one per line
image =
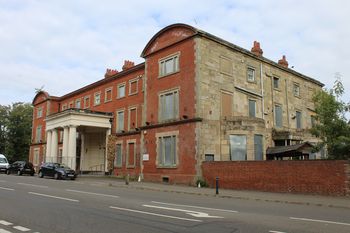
<point x="87" y="102"/>
<point x="225" y="65"/>
<point x="131" y="154"/>
<point x="278" y="116"/>
<point x="108" y="95"/>
<point x="298" y="119"/>
<point x="258" y="147"/>
<point x="169" y="106"/>
<point x="133" y="89"/>
<point x="132" y="118"/>
<point x="226" y="104"/>
<point x="252" y="107"/>
<point x="167" y="151"/>
<point x="120" y="121"/>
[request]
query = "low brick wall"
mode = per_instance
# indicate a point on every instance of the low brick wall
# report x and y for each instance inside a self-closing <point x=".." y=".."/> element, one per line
<point x="324" y="177"/>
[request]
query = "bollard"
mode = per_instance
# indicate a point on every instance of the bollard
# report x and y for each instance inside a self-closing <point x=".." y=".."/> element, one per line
<point x="127" y="179"/>
<point x="217" y="185"/>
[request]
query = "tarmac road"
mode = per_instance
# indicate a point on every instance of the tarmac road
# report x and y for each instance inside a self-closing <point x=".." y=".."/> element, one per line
<point x="31" y="204"/>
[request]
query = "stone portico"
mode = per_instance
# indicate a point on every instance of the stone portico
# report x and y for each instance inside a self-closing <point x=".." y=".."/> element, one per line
<point x="84" y="139"/>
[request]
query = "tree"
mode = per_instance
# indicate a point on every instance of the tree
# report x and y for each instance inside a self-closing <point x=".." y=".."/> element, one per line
<point x="15" y="130"/>
<point x="331" y="125"/>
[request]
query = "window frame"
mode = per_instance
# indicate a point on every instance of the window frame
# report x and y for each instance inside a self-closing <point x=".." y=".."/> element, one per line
<point x="129" y="117"/>
<point x="296" y="89"/>
<point x="275" y="78"/>
<point x="254" y="74"/>
<point x="249" y="112"/>
<point x="275" y="116"/>
<point x="161" y="149"/>
<point x="175" y="57"/>
<point x="128" y="142"/>
<point x="87" y="97"/>
<point x="38" y="136"/>
<point x="162" y="106"/>
<point x="97" y="94"/>
<point x="135" y="80"/>
<point x="231" y="145"/>
<point x="118" y="91"/>
<point x="118" y="130"/>
<point x="298" y="119"/>
<point x="106" y="94"/>
<point x="76" y="101"/>
<point x="39" y="112"/>
<point x="116" y="164"/>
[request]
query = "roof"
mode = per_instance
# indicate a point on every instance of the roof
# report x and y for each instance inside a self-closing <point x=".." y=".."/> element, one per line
<point x="285" y="149"/>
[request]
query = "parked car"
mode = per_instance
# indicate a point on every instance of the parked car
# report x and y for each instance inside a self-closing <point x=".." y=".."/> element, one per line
<point x="57" y="171"/>
<point x="20" y="168"/>
<point x="4" y="164"/>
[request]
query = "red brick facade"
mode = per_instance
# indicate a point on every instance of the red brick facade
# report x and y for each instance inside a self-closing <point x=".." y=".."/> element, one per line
<point x="324" y="177"/>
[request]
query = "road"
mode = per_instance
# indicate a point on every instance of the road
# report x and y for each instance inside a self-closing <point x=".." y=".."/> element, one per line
<point x="31" y="204"/>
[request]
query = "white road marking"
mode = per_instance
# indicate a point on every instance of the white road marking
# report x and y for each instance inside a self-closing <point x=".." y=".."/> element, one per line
<point x="20" y="228"/>
<point x="97" y="194"/>
<point x="154" y="214"/>
<point x="4" y="231"/>
<point x="277" y="232"/>
<point x="198" y="207"/>
<point x="322" y="221"/>
<point x="3" y="222"/>
<point x="190" y="212"/>
<point x="8" y="189"/>
<point x="34" y="185"/>
<point x="56" y="197"/>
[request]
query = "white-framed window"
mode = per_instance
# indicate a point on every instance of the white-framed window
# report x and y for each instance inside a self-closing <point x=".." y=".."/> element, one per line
<point x="278" y="116"/>
<point x="78" y="103"/>
<point x="167" y="150"/>
<point x="36" y="156"/>
<point x="276" y="82"/>
<point x="169" y="65"/>
<point x="133" y="86"/>
<point x="120" y="120"/>
<point x="38" y="134"/>
<point x="296" y="89"/>
<point x="252" y="108"/>
<point x="250" y="74"/>
<point x="169" y="105"/>
<point x="118" y="162"/>
<point x="131" y="153"/>
<point x="108" y="94"/>
<point x="121" y="90"/>
<point x="97" y="98"/>
<point x="39" y="112"/>
<point x="87" y="102"/>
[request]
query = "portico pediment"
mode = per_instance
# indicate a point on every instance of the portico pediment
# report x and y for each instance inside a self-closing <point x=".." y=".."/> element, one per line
<point x="79" y="117"/>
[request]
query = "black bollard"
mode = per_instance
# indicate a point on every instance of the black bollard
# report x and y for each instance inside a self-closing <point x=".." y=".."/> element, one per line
<point x="217" y="185"/>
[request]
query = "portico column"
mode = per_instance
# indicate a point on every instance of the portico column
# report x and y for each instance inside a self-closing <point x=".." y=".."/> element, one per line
<point x="72" y="146"/>
<point x="65" y="144"/>
<point x="54" y="145"/>
<point x="48" y="145"/>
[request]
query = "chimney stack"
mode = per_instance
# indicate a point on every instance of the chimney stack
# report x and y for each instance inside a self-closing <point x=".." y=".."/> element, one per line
<point x="256" y="49"/>
<point x="283" y="61"/>
<point x="110" y="72"/>
<point x="128" y="64"/>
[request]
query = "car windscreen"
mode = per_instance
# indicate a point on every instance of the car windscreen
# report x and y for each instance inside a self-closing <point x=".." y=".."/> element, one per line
<point x="64" y="166"/>
<point x="3" y="160"/>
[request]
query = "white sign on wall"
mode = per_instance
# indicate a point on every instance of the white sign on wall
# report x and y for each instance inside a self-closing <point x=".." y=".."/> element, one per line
<point x="145" y="157"/>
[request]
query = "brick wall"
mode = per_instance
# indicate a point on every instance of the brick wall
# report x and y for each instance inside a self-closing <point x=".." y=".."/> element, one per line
<point x="322" y="177"/>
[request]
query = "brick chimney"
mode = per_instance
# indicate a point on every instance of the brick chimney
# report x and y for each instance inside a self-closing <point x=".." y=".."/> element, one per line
<point x="128" y="65"/>
<point x="283" y="61"/>
<point x="256" y="49"/>
<point x="110" y="72"/>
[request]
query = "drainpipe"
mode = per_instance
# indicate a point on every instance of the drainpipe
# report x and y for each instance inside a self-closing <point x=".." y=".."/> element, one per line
<point x="262" y="91"/>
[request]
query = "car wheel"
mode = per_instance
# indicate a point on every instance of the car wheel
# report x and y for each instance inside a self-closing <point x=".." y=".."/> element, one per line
<point x="72" y="178"/>
<point x="32" y="174"/>
<point x="40" y="174"/>
<point x="56" y="176"/>
<point x="19" y="173"/>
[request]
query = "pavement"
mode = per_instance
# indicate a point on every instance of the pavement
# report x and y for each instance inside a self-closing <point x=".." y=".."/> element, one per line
<point x="287" y="198"/>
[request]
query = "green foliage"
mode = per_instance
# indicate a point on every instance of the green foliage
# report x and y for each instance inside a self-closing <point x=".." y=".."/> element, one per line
<point x="15" y="130"/>
<point x="331" y="125"/>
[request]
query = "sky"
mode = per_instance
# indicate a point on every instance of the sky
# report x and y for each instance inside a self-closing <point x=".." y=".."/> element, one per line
<point x="63" y="45"/>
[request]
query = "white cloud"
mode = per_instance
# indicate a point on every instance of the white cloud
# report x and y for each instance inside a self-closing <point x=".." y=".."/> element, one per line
<point x="67" y="44"/>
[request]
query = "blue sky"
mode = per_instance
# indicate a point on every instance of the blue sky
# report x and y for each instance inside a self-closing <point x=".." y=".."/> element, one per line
<point x="64" y="44"/>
